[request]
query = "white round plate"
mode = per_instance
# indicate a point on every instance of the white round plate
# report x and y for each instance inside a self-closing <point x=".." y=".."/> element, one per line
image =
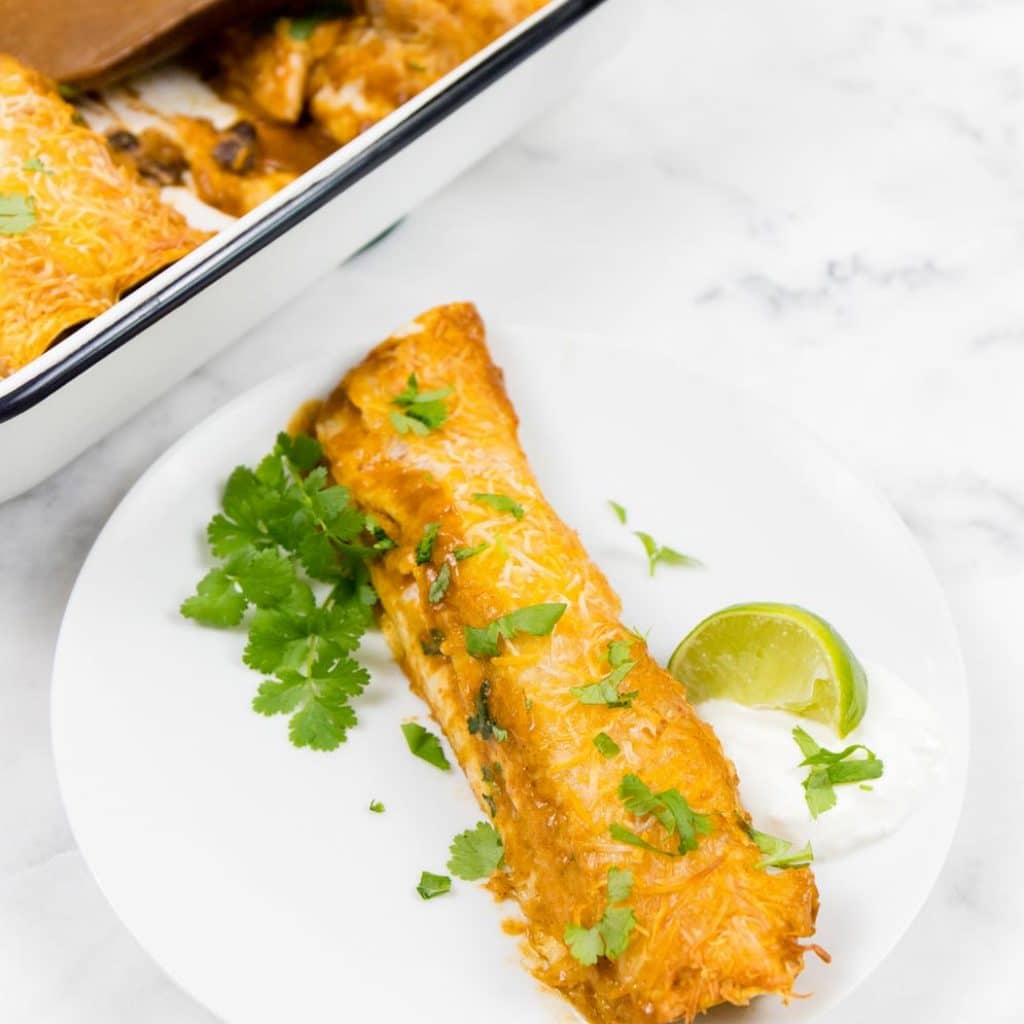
<point x="254" y="872"/>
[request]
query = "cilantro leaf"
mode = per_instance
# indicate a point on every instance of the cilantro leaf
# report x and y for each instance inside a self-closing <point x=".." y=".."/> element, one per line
<point x="216" y="602"/>
<point x="501" y="503"/>
<point x="620" y="513"/>
<point x="669" y="807"/>
<point x="404" y="424"/>
<point x="265" y="577"/>
<point x="482" y="722"/>
<point x="657" y="554"/>
<point x="688" y="822"/>
<point x="777" y="851"/>
<point x="620" y="884"/>
<point x="318" y="702"/>
<point x="36" y="164"/>
<point x="425" y="548"/>
<point x="425" y="745"/>
<point x="818" y="792"/>
<point x="377" y="807"/>
<point x="17" y="213"/>
<point x="305" y="453"/>
<point x="606" y="690"/>
<point x="585" y="944"/>
<point x="422" y="411"/>
<point x="439" y="587"/>
<point x="638" y="798"/>
<point x="615" y="927"/>
<point x="476" y="853"/>
<point x="606" y="745"/>
<point x="432" y="885"/>
<point x="461" y="554"/>
<point x="618" y="652"/>
<point x="830" y="768"/>
<point x="482" y="641"/>
<point x="610" y="936"/>
<point x="624" y="835"/>
<point x="534" y="620"/>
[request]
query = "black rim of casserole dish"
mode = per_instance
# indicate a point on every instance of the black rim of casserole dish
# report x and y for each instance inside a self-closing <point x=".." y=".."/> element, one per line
<point x="262" y="232"/>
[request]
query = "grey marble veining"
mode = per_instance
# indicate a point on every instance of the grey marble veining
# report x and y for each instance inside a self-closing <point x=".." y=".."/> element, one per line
<point x="823" y="204"/>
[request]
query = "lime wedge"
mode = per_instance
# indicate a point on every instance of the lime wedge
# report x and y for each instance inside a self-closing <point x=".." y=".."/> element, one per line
<point x="774" y="656"/>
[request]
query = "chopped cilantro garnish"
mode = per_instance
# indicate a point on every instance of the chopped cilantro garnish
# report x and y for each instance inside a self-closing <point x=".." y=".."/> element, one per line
<point x="377" y="807"/>
<point x="482" y="722"/>
<point x="281" y="527"/>
<point x="425" y="548"/>
<point x="68" y="91"/>
<point x="431" y="643"/>
<point x="425" y="745"/>
<point x="501" y="503"/>
<point x="606" y="745"/>
<point x="534" y="620"/>
<point x="620" y="884"/>
<point x="832" y="768"/>
<point x="461" y="554"/>
<point x="413" y="66"/>
<point x="432" y="885"/>
<point x="670" y="808"/>
<point x="585" y="944"/>
<point x="491" y="775"/>
<point x="618" y="652"/>
<point x="657" y="554"/>
<point x="476" y="853"/>
<point x="624" y="835"/>
<point x="422" y="411"/>
<point x="442" y="581"/>
<point x="777" y="851"/>
<point x="36" y="164"/>
<point x="610" y="936"/>
<point x="606" y="690"/>
<point x="17" y="213"/>
<point x="620" y="512"/>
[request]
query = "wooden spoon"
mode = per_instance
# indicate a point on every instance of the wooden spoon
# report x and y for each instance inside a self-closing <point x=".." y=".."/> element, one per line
<point x="91" y="42"/>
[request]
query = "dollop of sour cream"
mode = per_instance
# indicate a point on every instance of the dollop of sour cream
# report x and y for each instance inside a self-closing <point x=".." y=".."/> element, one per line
<point x="899" y="726"/>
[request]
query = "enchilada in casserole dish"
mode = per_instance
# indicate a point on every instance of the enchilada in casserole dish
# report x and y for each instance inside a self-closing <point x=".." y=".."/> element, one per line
<point x="244" y="114"/>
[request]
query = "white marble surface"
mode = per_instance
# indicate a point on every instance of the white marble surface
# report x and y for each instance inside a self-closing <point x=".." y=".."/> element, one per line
<point x="824" y="202"/>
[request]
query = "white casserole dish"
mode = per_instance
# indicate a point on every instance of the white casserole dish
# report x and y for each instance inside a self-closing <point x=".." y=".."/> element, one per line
<point x="78" y="391"/>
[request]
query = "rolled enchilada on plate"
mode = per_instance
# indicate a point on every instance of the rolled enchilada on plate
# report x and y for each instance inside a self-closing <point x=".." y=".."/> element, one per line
<point x="512" y="636"/>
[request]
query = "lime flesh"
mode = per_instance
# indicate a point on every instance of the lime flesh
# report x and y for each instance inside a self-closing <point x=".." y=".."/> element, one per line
<point x="774" y="656"/>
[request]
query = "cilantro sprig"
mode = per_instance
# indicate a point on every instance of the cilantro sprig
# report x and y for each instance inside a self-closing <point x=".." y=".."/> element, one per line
<point x="422" y="411"/>
<point x="831" y="768"/>
<point x="283" y="529"/>
<point x="534" y="620"/>
<point x="670" y="809"/>
<point x="609" y="937"/>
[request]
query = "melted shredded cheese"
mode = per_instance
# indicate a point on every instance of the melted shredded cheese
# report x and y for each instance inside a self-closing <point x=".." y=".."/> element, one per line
<point x="98" y="230"/>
